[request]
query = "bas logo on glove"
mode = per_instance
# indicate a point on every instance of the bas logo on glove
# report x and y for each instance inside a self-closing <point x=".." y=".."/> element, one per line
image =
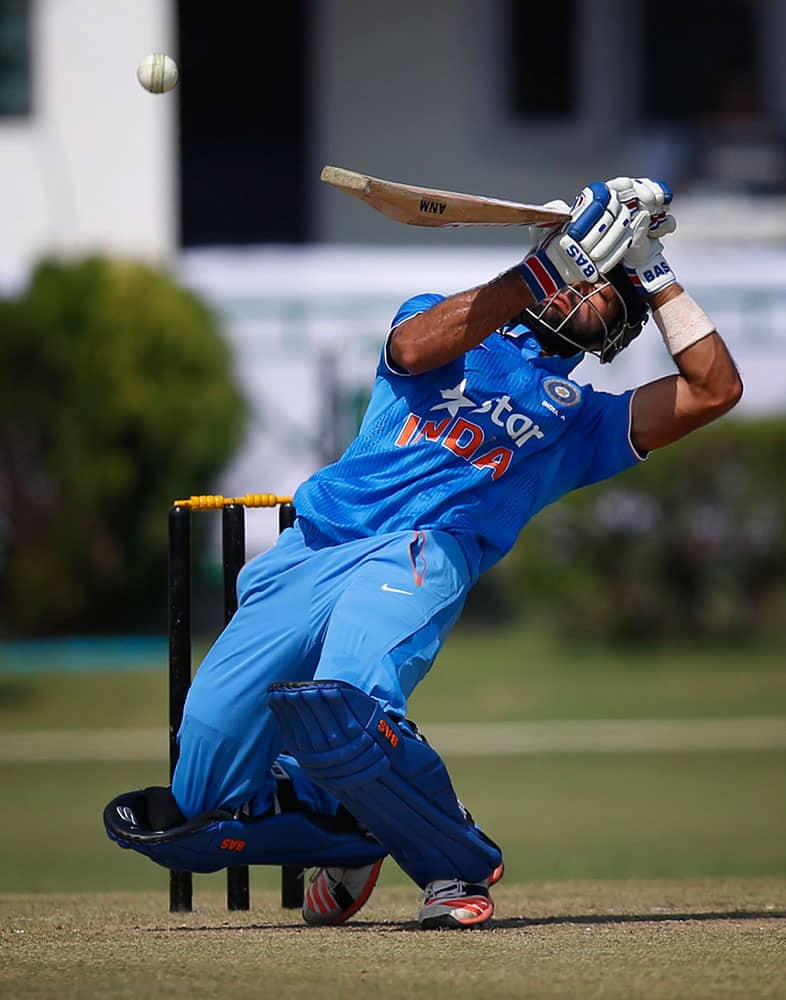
<point x="588" y="269"/>
<point x="659" y="270"/>
<point x="647" y="268"/>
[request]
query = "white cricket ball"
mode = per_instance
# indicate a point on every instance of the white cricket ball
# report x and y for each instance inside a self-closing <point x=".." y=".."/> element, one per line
<point x="157" y="72"/>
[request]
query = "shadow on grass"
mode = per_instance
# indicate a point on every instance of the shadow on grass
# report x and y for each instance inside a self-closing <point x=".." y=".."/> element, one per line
<point x="506" y="923"/>
<point x="639" y="918"/>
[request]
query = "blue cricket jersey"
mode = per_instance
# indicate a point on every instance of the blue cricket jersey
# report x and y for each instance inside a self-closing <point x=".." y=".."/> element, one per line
<point x="475" y="448"/>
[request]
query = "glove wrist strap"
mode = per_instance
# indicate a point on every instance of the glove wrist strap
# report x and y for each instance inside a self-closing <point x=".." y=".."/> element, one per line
<point x="540" y="275"/>
<point x="682" y="323"/>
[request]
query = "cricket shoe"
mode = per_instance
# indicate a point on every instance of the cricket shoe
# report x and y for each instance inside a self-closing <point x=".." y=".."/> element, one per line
<point x="335" y="894"/>
<point x="451" y="904"/>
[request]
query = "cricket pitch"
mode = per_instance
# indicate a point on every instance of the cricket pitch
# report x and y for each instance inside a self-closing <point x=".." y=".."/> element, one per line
<point x="646" y="939"/>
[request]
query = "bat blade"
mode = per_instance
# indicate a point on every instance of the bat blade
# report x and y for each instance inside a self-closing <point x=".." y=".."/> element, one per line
<point x="420" y="206"/>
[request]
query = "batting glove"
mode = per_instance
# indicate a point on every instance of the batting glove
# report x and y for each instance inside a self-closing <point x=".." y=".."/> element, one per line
<point x="601" y="229"/>
<point x="645" y="265"/>
<point x="651" y="194"/>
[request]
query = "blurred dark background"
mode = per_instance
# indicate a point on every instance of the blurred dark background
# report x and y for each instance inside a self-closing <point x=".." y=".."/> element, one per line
<point x="244" y="125"/>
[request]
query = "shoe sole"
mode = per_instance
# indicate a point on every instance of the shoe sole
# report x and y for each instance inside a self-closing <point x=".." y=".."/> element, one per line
<point x="446" y="921"/>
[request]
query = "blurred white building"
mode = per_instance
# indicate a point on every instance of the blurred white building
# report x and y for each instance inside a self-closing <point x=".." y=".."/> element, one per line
<point x="86" y="156"/>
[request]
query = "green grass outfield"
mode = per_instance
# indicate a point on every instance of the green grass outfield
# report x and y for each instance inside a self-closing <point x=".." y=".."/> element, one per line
<point x="562" y="816"/>
<point x="558" y="815"/>
<point x="481" y="675"/>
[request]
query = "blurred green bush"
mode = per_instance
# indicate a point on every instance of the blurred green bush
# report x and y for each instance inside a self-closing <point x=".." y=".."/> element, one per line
<point x="116" y="395"/>
<point x="690" y="544"/>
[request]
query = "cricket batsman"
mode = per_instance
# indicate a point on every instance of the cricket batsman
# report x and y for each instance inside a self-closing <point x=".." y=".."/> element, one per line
<point x="474" y="425"/>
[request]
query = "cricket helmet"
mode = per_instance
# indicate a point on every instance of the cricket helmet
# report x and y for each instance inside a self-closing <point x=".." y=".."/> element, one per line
<point x="553" y="329"/>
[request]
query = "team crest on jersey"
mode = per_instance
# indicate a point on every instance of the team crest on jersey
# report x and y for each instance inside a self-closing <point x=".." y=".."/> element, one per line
<point x="562" y="392"/>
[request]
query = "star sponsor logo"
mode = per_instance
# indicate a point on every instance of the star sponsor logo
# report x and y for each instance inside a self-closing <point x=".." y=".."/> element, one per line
<point x="519" y="427"/>
<point x="476" y="443"/>
<point x="454" y="399"/>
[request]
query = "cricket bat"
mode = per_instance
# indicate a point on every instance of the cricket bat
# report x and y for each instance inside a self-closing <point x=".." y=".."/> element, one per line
<point x="420" y="206"/>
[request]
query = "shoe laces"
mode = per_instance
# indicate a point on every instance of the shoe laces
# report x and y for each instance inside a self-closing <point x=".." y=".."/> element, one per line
<point x="333" y="875"/>
<point x="449" y="887"/>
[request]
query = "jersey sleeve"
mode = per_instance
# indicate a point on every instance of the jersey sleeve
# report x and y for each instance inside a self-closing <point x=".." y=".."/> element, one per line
<point x="412" y="307"/>
<point x="606" y="444"/>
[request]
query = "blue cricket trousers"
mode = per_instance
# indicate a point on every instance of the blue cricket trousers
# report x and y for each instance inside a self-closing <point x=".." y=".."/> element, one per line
<point x="373" y="612"/>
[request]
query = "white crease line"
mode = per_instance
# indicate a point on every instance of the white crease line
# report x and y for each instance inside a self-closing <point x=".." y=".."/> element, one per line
<point x="454" y="739"/>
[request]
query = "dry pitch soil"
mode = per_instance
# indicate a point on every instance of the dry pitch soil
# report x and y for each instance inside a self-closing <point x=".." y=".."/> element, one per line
<point x="701" y="938"/>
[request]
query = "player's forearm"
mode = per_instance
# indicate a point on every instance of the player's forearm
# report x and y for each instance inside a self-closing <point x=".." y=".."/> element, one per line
<point x="457" y="324"/>
<point x="708" y="375"/>
<point x="707" y="384"/>
<point x="706" y="387"/>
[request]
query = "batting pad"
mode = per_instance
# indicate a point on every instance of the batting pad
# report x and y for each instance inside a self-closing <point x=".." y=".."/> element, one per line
<point x="386" y="775"/>
<point x="218" y="839"/>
